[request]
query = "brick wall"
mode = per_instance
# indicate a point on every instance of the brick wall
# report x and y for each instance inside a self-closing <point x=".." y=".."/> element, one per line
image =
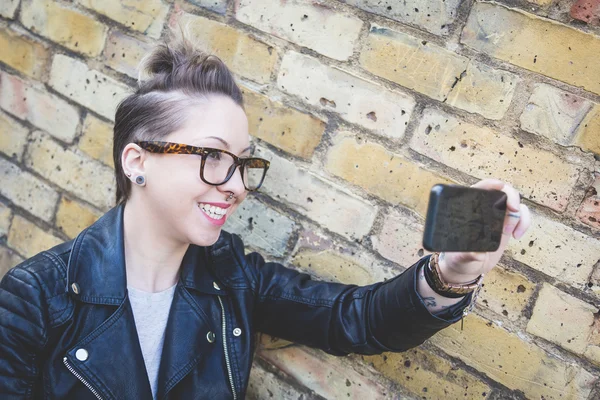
<point x="362" y="105"/>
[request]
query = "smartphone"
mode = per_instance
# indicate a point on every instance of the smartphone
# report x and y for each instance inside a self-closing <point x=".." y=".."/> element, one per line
<point x="461" y="218"/>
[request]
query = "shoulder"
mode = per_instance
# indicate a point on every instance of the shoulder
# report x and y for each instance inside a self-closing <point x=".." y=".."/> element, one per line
<point x="230" y="262"/>
<point x="42" y="279"/>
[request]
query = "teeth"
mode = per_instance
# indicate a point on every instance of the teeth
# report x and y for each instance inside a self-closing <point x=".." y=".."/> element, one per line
<point x="213" y="211"/>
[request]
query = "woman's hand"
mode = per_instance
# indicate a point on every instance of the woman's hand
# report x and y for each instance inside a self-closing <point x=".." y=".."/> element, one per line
<point x="457" y="267"/>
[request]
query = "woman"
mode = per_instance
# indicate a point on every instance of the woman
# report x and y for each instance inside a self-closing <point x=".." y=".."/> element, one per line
<point x="154" y="300"/>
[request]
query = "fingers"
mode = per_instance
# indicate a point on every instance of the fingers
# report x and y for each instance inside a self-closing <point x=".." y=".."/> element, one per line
<point x="513" y="199"/>
<point x="489" y="183"/>
<point x="524" y="222"/>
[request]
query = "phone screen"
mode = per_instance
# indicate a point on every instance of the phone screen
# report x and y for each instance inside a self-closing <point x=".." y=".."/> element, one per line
<point x="461" y="218"/>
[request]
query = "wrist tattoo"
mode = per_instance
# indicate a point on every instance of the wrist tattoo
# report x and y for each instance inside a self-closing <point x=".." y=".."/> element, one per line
<point x="441" y="257"/>
<point x="430" y="301"/>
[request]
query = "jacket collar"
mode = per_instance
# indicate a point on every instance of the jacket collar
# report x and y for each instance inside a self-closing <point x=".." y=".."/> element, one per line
<point x="96" y="267"/>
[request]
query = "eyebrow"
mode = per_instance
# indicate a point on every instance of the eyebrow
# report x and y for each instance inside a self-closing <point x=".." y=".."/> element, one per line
<point x="227" y="144"/>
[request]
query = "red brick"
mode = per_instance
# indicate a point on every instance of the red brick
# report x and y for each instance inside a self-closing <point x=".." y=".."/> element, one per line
<point x="586" y="11"/>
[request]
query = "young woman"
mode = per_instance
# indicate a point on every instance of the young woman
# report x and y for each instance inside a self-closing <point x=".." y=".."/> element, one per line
<point x="154" y="300"/>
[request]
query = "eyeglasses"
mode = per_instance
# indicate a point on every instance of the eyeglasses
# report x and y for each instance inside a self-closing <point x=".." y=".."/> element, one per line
<point x="217" y="166"/>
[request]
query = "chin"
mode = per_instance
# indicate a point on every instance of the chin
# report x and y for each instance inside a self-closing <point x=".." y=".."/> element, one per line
<point x="205" y="240"/>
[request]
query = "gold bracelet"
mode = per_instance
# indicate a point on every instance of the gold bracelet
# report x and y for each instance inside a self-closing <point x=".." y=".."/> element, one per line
<point x="453" y="288"/>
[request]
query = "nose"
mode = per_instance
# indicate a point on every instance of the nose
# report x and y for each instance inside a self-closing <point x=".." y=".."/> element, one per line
<point x="235" y="184"/>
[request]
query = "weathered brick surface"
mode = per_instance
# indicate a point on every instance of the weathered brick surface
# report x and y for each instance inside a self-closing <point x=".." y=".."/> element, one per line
<point x="412" y="62"/>
<point x="539" y="45"/>
<point x="290" y="130"/>
<point x="72" y="217"/>
<point x="553" y="113"/>
<point x="328" y="376"/>
<point x="588" y="134"/>
<point x="27" y="191"/>
<point x="567" y="321"/>
<point x="28" y="239"/>
<point x="88" y="87"/>
<point x="144" y="16"/>
<point x="8" y="8"/>
<point x="265" y="385"/>
<point x="537" y="174"/>
<point x="218" y="6"/>
<point x="334" y="208"/>
<point x="515" y="363"/>
<point x="313" y="25"/>
<point x="261" y="227"/>
<point x="97" y="140"/>
<point x="22" y="53"/>
<point x="8" y="259"/>
<point x="357" y="100"/>
<point x="557" y="250"/>
<point x="400" y="238"/>
<point x="319" y="256"/>
<point x="434" y="17"/>
<point x="589" y="210"/>
<point x="506" y="293"/>
<point x="386" y="175"/>
<point x="36" y="105"/>
<point x="64" y="25"/>
<point x="123" y="53"/>
<point x="484" y="90"/>
<point x="5" y="218"/>
<point x="245" y="55"/>
<point x="13" y="137"/>
<point x="71" y="170"/>
<point x="429" y="376"/>
<point x="587" y="11"/>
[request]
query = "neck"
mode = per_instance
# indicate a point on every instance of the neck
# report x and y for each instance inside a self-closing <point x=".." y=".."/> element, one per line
<point x="152" y="259"/>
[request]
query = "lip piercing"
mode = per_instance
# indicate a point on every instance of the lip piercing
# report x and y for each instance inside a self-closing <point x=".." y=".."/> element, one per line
<point x="230" y="196"/>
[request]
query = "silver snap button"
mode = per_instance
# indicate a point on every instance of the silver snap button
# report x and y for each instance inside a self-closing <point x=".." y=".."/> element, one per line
<point x="216" y="286"/>
<point x="81" y="354"/>
<point x="75" y="287"/>
<point x="210" y="336"/>
<point x="237" y="332"/>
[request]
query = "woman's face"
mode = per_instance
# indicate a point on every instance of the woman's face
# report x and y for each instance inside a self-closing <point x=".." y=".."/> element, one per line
<point x="174" y="190"/>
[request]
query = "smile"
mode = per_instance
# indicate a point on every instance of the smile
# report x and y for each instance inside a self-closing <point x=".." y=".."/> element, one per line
<point x="212" y="211"/>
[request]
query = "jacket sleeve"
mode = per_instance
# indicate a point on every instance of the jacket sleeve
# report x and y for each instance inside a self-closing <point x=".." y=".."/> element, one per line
<point x="22" y="334"/>
<point x="342" y="319"/>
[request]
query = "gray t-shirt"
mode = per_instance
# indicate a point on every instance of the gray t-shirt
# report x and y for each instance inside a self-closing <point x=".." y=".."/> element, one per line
<point x="151" y="312"/>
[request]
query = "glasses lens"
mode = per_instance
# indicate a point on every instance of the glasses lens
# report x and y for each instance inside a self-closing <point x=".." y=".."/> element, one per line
<point x="217" y="167"/>
<point x="254" y="172"/>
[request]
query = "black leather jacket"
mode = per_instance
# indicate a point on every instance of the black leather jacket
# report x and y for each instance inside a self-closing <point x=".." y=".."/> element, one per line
<point x="67" y="328"/>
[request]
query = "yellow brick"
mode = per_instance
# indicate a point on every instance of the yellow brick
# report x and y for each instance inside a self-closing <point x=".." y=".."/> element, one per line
<point x="565" y="320"/>
<point x="537" y="44"/>
<point x="245" y="56"/>
<point x="283" y="127"/>
<point x="13" y="137"/>
<point x="332" y="266"/>
<point x="72" y="217"/>
<point x="428" y="375"/>
<point x="540" y="175"/>
<point x="146" y="16"/>
<point x="382" y="173"/>
<point x="28" y="239"/>
<point x="484" y="90"/>
<point x="406" y="60"/>
<point x="506" y="293"/>
<point x="5" y="217"/>
<point x="588" y="134"/>
<point x="97" y="140"/>
<point x="8" y="259"/>
<point x="123" y="53"/>
<point x="71" y="28"/>
<point x="517" y="364"/>
<point x="22" y="53"/>
<point x="8" y="8"/>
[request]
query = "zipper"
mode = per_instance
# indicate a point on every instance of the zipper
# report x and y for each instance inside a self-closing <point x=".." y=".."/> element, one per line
<point x="87" y="385"/>
<point x="225" y="348"/>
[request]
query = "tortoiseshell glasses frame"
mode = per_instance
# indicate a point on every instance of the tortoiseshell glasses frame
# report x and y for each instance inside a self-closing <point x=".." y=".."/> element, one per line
<point x="243" y="162"/>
